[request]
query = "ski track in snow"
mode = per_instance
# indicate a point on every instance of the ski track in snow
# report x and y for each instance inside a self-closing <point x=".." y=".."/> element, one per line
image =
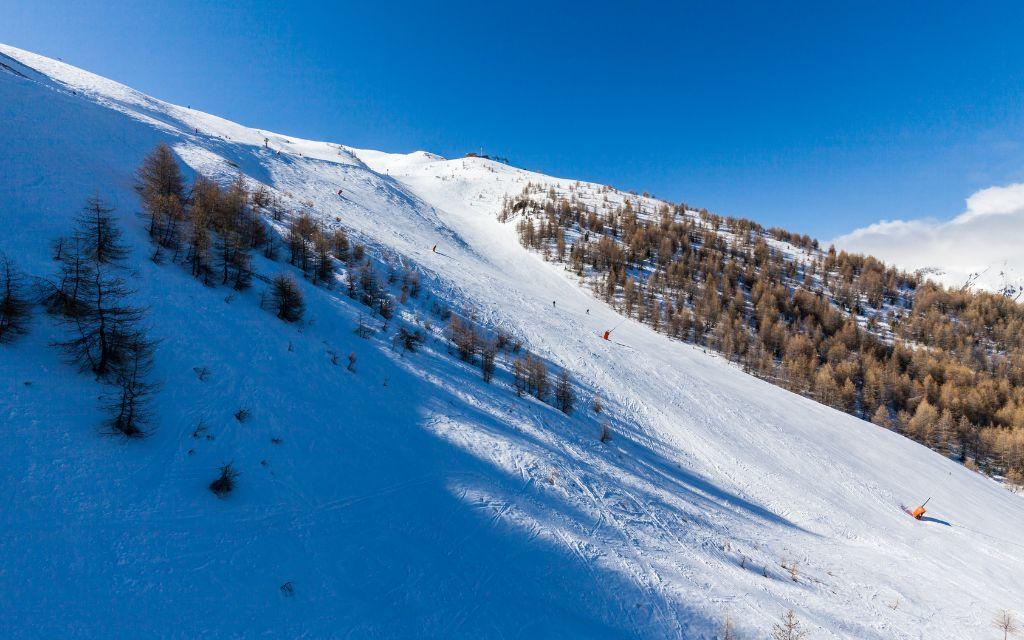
<point x="434" y="506"/>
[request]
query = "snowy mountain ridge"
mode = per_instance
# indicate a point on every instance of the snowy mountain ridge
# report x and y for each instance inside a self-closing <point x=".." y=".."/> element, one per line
<point x="409" y="498"/>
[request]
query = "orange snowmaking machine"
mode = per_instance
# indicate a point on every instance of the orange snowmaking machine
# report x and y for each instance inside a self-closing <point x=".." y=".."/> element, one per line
<point x="919" y="511"/>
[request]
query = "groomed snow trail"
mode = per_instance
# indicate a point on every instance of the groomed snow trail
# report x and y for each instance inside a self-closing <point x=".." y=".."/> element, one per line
<point x="410" y="499"/>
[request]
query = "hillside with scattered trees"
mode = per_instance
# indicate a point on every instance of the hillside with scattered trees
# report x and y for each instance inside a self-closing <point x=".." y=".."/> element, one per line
<point x="298" y="389"/>
<point x="943" y="367"/>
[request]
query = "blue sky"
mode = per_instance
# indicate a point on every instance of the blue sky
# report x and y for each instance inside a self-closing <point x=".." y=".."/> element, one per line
<point x="820" y="117"/>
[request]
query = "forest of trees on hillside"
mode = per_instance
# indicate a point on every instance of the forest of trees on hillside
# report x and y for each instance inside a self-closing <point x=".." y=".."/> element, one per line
<point x="943" y="367"/>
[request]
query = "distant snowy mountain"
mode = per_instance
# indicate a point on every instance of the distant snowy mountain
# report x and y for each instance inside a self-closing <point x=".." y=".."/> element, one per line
<point x="403" y="496"/>
<point x="979" y="248"/>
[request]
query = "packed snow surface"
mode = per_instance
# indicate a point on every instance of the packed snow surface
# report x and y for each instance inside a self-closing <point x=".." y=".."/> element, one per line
<point x="410" y="499"/>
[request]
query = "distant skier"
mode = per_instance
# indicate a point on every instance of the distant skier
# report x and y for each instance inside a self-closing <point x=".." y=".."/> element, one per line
<point x="553" y="305"/>
<point x="606" y="333"/>
<point x="434" y="249"/>
<point x="339" y="192"/>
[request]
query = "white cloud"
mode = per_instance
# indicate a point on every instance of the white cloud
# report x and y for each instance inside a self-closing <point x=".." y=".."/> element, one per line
<point x="986" y="239"/>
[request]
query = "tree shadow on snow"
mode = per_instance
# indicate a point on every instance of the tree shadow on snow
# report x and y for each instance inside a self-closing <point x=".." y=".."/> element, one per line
<point x="622" y="479"/>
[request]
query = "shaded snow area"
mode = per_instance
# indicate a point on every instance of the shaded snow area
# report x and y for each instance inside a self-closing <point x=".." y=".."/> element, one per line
<point x="409" y="498"/>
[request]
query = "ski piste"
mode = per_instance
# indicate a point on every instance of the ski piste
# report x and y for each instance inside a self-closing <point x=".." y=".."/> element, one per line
<point x="409" y="498"/>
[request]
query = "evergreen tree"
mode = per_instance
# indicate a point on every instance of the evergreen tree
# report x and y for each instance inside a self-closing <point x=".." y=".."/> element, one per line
<point x="323" y="263"/>
<point x="104" y="330"/>
<point x="301" y="232"/>
<point x="339" y="244"/>
<point x="287" y="298"/>
<point x="881" y="417"/>
<point x="15" y="309"/>
<point x="128" y="406"/>
<point x="63" y="295"/>
<point x="487" y="356"/>
<point x="162" y="190"/>
<point x="788" y="629"/>
<point x="93" y="297"/>
<point x="565" y="398"/>
<point x="199" y="244"/>
<point x="99" y="235"/>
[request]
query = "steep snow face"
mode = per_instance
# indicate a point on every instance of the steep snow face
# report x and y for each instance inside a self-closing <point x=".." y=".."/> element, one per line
<point x="409" y="499"/>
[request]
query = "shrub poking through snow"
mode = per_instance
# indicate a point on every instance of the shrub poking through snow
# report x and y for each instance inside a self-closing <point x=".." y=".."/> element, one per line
<point x="793" y="568"/>
<point x="225" y="482"/>
<point x="410" y="339"/>
<point x="286" y="298"/>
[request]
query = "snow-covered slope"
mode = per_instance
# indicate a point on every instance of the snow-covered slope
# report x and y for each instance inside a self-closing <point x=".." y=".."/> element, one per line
<point x="410" y="499"/>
